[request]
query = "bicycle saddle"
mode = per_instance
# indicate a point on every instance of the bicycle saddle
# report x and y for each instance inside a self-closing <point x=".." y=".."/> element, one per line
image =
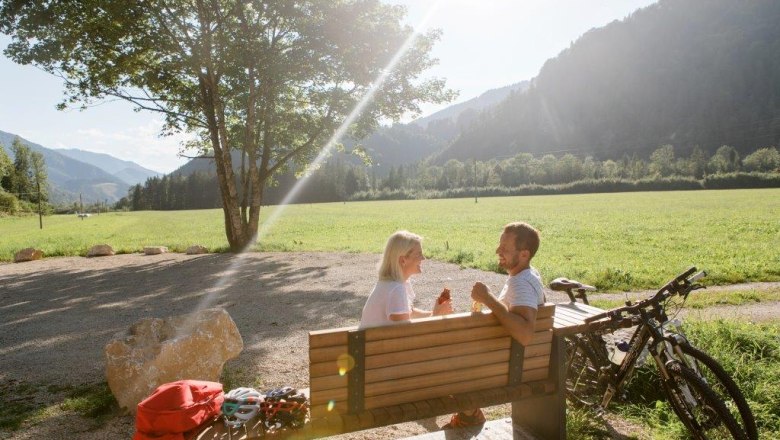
<point x="565" y="284"/>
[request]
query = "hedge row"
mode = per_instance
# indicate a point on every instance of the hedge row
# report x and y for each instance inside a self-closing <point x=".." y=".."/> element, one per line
<point x="715" y="181"/>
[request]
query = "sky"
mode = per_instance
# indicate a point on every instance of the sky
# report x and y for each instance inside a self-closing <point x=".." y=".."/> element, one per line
<point x="485" y="44"/>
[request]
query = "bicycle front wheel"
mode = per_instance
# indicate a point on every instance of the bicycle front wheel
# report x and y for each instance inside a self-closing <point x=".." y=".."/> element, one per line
<point x="720" y="382"/>
<point x="700" y="409"/>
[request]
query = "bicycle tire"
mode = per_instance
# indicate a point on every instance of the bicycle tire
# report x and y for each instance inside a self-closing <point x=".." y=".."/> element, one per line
<point x="722" y="383"/>
<point x="707" y="418"/>
<point x="583" y="384"/>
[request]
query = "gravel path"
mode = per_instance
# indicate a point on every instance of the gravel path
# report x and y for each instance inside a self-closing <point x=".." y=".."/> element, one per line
<point x="59" y="313"/>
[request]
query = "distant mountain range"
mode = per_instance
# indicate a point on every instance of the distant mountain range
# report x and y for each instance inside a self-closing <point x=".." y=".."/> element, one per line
<point x="129" y="172"/>
<point x="96" y="177"/>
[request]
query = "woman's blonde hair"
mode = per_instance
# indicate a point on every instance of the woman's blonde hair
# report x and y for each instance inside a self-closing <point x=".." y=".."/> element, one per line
<point x="400" y="243"/>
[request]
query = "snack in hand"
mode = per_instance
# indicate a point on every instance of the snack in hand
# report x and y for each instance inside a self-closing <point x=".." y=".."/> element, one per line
<point x="444" y="296"/>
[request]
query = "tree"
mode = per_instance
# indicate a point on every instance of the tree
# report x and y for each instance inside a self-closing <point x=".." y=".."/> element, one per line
<point x="272" y="79"/>
<point x="21" y="178"/>
<point x="725" y="160"/>
<point x="39" y="179"/>
<point x="763" y="160"/>
<point x="662" y="161"/>
<point x="6" y="170"/>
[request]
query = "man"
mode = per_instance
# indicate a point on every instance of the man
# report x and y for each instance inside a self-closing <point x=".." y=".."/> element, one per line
<point x="518" y="301"/>
<point x="522" y="294"/>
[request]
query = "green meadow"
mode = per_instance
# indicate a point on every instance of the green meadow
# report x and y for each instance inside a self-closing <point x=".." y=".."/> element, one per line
<point x="615" y="241"/>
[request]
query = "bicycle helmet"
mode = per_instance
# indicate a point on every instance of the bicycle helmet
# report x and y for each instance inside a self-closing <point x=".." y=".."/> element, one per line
<point x="240" y="406"/>
<point x="284" y="407"/>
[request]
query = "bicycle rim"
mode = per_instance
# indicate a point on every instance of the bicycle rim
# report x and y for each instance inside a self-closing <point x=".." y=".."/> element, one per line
<point x="699" y="408"/>
<point x="582" y="373"/>
<point x="722" y="384"/>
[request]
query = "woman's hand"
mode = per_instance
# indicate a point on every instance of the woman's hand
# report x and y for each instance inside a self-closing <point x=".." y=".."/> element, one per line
<point x="445" y="308"/>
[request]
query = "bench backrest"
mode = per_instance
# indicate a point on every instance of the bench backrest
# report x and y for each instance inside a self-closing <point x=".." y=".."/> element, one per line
<point x="353" y="370"/>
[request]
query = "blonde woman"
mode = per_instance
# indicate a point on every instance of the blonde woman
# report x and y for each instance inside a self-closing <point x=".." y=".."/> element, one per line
<point x="391" y="300"/>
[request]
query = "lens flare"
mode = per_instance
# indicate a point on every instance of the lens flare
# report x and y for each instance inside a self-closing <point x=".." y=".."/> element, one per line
<point x="345" y="363"/>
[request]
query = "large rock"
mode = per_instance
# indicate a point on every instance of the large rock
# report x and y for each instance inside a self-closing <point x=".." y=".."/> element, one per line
<point x="100" y="250"/>
<point x="196" y="249"/>
<point x="156" y="351"/>
<point x="155" y="250"/>
<point x="28" y="254"/>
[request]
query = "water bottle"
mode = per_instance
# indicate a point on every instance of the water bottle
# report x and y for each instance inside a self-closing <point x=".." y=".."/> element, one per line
<point x="619" y="352"/>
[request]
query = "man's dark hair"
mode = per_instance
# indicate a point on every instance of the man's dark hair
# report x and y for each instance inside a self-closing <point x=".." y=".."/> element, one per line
<point x="526" y="237"/>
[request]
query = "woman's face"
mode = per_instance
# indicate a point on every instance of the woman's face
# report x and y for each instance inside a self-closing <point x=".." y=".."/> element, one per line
<point x="411" y="263"/>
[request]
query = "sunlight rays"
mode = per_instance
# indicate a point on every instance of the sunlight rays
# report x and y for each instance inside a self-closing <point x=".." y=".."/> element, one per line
<point x="227" y="277"/>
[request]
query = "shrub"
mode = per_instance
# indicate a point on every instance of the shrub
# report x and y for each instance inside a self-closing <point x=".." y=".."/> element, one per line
<point x="9" y="204"/>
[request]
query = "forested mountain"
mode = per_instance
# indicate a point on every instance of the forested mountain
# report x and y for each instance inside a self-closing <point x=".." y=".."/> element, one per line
<point x="403" y="144"/>
<point x="70" y="177"/>
<point x="473" y="106"/>
<point x="129" y="172"/>
<point x="679" y="72"/>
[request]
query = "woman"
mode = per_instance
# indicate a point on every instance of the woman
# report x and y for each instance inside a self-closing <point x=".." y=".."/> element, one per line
<point x="392" y="298"/>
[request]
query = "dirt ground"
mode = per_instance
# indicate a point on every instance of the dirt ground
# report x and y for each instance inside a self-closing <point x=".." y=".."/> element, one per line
<point x="59" y="313"/>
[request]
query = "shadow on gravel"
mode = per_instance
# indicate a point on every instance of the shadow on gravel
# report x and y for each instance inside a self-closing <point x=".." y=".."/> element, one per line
<point x="62" y="319"/>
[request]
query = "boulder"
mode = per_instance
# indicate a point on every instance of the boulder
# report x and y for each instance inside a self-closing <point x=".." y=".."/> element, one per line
<point x="156" y="351"/>
<point x="28" y="254"/>
<point x="100" y="250"/>
<point x="197" y="249"/>
<point x="155" y="250"/>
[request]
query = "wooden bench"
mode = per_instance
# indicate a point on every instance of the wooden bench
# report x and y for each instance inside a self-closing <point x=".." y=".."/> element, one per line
<point x="361" y="379"/>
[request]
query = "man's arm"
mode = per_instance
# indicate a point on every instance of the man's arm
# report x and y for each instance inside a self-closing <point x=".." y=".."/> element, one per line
<point x="519" y="321"/>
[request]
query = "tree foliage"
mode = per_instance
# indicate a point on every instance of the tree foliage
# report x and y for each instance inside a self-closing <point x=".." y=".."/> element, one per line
<point x="273" y="79"/>
<point x="339" y="180"/>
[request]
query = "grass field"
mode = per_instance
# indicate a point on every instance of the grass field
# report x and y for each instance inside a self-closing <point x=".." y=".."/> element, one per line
<point x="614" y="241"/>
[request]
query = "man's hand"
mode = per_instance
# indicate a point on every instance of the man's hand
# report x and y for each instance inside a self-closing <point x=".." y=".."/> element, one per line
<point x="481" y="293"/>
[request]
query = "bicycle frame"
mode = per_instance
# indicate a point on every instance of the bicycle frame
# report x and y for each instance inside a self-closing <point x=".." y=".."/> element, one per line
<point x="650" y="334"/>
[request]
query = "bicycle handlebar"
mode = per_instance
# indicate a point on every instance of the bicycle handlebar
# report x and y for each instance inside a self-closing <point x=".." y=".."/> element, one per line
<point x="680" y="285"/>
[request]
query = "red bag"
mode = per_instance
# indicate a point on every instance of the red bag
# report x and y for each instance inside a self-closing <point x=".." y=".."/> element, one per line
<point x="176" y="408"/>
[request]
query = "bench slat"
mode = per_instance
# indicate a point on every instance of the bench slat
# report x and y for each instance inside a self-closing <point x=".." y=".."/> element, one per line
<point x="324" y="361"/>
<point x="331" y="337"/>
<point x="433" y="339"/>
<point x="451" y="377"/>
<point x="329" y="367"/>
<point x="387" y="400"/>
<point x="419" y="368"/>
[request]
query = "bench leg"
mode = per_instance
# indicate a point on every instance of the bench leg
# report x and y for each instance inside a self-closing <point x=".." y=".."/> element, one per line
<point x="545" y="415"/>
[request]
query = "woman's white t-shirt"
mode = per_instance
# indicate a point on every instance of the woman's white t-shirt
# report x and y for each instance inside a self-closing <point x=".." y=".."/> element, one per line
<point x="387" y="298"/>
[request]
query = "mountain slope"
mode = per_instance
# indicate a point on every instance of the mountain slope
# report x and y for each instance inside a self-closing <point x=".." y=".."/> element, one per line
<point x="474" y="105"/>
<point x="69" y="178"/>
<point x="129" y="172"/>
<point x="683" y="72"/>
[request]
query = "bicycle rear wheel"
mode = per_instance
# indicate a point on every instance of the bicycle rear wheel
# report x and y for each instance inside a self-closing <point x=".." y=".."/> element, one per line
<point x="700" y="409"/>
<point x="720" y="382"/>
<point x="583" y="384"/>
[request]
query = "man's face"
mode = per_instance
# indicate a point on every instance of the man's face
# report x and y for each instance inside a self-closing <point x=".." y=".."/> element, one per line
<point x="509" y="257"/>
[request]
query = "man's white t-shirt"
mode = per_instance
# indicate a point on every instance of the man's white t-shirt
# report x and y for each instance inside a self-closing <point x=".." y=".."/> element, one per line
<point x="387" y="298"/>
<point x="523" y="289"/>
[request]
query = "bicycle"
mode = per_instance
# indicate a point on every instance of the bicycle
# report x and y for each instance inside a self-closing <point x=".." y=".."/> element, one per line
<point x="702" y="394"/>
